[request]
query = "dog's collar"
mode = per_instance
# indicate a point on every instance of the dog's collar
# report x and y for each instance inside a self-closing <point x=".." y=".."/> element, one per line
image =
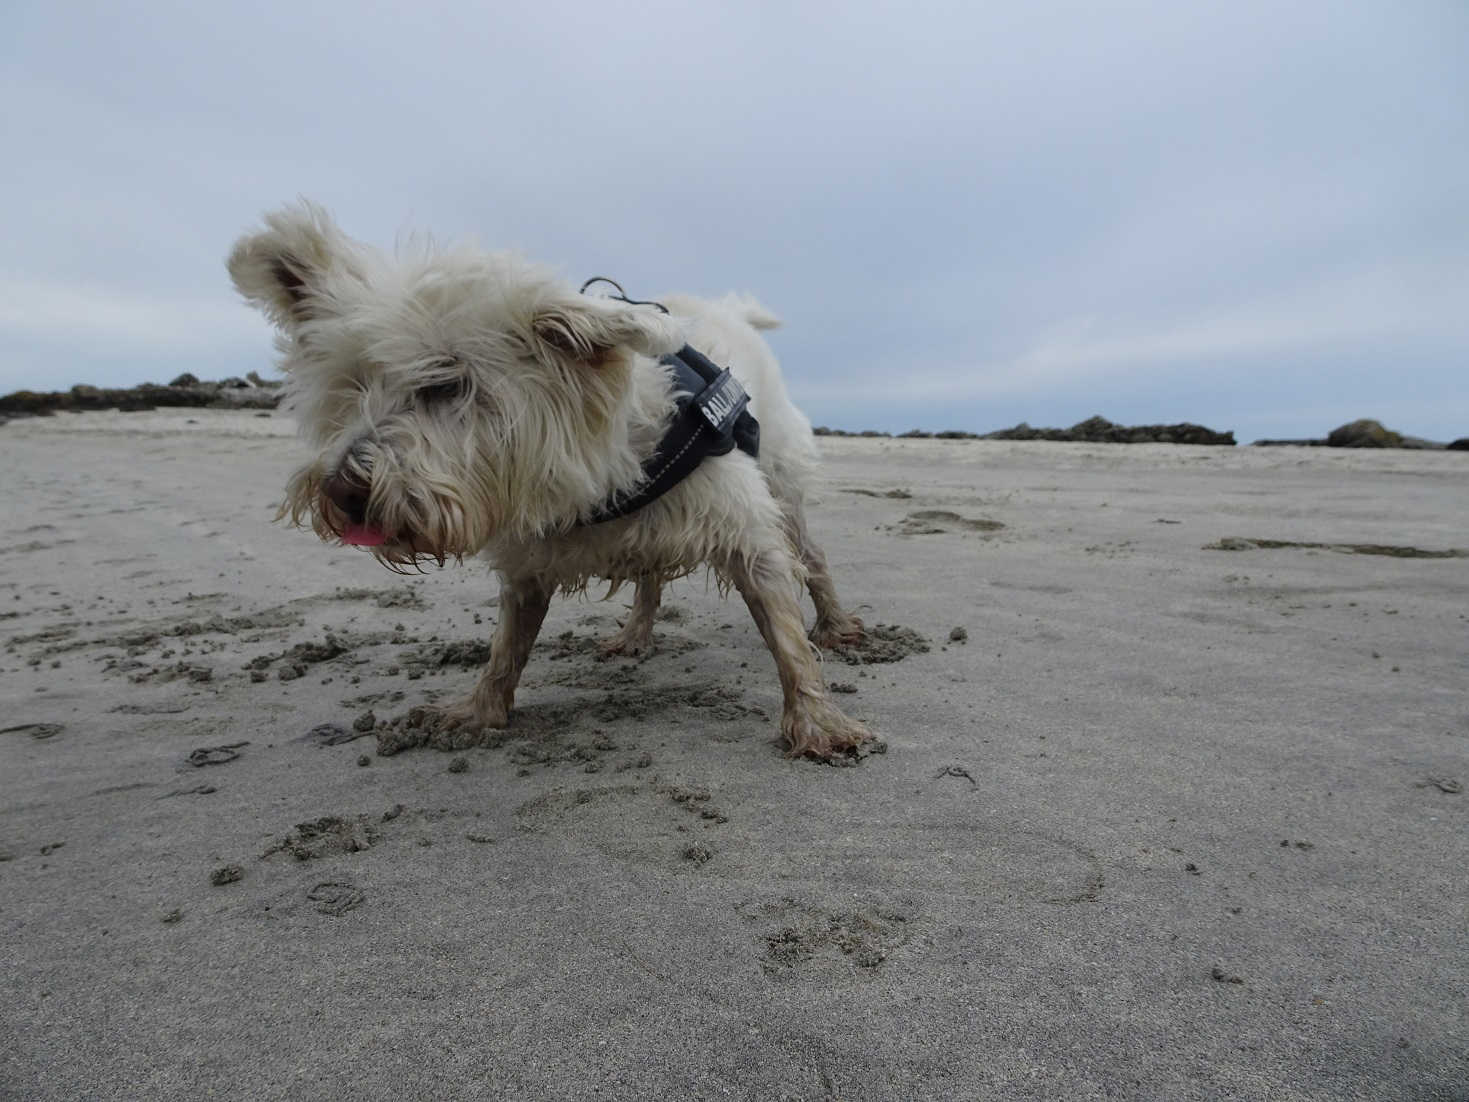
<point x="710" y="420"/>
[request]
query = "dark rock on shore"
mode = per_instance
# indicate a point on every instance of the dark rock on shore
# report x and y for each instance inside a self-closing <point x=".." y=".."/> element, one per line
<point x="1365" y="433"/>
<point x="186" y="390"/>
<point x="1460" y="445"/>
<point x="1094" y="430"/>
<point x="1098" y="430"/>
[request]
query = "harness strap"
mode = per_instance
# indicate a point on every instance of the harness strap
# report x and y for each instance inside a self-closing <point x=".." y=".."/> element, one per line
<point x="711" y="420"/>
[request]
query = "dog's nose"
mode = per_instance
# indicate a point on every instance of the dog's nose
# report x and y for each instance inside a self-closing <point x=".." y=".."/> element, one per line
<point x="349" y="495"/>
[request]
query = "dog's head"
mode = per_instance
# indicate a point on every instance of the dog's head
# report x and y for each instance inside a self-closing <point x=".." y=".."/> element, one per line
<point x="450" y="395"/>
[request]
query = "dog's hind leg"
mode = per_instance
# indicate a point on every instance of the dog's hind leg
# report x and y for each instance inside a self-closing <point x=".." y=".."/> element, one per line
<point x="523" y="605"/>
<point x="636" y="635"/>
<point x="835" y="626"/>
<point x="810" y="723"/>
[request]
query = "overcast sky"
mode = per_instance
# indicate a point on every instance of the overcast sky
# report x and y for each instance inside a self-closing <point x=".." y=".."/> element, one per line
<point x="1253" y="215"/>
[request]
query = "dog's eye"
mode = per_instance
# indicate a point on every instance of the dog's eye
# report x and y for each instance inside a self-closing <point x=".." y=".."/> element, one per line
<point x="451" y="390"/>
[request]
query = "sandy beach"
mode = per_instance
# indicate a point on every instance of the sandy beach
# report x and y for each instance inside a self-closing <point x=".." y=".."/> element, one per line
<point x="1171" y="806"/>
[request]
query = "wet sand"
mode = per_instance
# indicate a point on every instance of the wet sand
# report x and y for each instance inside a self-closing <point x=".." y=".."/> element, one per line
<point x="1172" y="804"/>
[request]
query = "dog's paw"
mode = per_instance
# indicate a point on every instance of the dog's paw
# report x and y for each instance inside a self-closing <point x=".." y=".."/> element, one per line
<point x="468" y="714"/>
<point x="838" y="634"/>
<point x="820" y="731"/>
<point x="630" y="642"/>
<point x="462" y="725"/>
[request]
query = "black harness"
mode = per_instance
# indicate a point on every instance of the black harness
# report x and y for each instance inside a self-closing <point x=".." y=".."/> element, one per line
<point x="710" y="420"/>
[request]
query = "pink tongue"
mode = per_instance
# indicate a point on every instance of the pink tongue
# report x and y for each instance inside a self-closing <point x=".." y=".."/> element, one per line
<point x="363" y="535"/>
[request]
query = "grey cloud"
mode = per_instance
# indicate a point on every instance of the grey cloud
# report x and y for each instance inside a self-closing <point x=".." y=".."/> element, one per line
<point x="1155" y="212"/>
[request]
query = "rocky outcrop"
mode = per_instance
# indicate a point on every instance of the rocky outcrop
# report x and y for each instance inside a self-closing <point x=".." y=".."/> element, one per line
<point x="1098" y="430"/>
<point x="1094" y="430"/>
<point x="186" y="390"/>
<point x="1365" y="433"/>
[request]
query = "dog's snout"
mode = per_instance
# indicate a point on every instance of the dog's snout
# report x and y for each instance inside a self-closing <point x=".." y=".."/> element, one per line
<point x="349" y="494"/>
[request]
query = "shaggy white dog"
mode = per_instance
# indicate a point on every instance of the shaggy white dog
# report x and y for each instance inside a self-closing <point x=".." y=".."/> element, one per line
<point x="462" y="402"/>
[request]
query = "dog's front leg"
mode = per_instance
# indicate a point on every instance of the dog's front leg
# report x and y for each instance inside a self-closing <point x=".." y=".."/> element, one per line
<point x="811" y="724"/>
<point x="523" y="605"/>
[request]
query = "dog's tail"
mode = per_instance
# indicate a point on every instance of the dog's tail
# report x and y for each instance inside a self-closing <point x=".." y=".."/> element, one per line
<point x="748" y="308"/>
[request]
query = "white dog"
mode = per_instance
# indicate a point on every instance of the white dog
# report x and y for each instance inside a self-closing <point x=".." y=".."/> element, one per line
<point x="462" y="402"/>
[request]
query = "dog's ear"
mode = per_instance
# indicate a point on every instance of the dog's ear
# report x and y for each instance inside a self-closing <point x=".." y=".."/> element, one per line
<point x="587" y="330"/>
<point x="282" y="269"/>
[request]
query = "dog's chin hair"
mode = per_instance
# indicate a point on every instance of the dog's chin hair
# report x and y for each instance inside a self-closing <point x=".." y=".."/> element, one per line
<point x="407" y="559"/>
<point x="437" y="533"/>
<point x="436" y="522"/>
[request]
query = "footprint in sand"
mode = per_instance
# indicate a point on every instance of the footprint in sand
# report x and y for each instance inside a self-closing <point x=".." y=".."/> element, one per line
<point x="1391" y="550"/>
<point x="805" y="938"/>
<point x="333" y="897"/>
<point x="932" y="522"/>
<point x="328" y="836"/>
<point x="38" y="731"/>
<point x="1001" y="866"/>
<point x="215" y="755"/>
<point x="656" y="822"/>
